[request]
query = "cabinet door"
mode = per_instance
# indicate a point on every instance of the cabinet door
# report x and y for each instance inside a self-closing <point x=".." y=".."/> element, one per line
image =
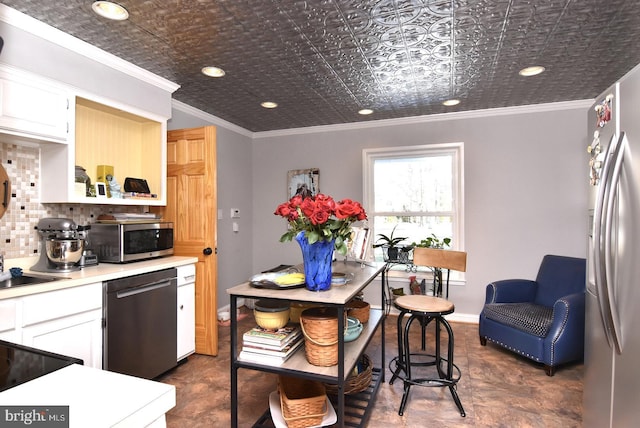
<point x="186" y="321"/>
<point x="8" y="321"/>
<point x="68" y="322"/>
<point x="33" y="108"/>
<point x="78" y="336"/>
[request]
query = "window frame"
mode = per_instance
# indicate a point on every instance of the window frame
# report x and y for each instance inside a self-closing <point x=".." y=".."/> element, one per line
<point x="369" y="156"/>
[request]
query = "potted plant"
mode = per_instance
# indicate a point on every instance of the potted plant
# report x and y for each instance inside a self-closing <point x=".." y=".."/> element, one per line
<point x="389" y="244"/>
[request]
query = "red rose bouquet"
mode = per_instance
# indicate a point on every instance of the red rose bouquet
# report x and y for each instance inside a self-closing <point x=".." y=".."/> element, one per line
<point x="321" y="218"/>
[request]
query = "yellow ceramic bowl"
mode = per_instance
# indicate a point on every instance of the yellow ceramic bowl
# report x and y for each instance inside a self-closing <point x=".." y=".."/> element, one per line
<point x="271" y="320"/>
<point x="271" y="314"/>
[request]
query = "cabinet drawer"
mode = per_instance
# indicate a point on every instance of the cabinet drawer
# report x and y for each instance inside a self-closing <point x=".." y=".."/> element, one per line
<point x="186" y="274"/>
<point x="61" y="303"/>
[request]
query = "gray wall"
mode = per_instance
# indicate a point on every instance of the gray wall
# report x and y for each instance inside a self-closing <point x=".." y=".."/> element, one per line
<point x="525" y="186"/>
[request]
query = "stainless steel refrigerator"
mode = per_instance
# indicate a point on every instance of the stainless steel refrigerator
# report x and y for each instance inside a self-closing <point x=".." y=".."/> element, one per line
<point x="612" y="334"/>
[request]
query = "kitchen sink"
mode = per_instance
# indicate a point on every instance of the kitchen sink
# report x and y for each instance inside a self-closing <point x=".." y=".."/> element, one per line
<point x="26" y="280"/>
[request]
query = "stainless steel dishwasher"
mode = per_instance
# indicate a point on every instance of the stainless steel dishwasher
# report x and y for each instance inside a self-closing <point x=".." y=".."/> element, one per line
<point x="140" y="333"/>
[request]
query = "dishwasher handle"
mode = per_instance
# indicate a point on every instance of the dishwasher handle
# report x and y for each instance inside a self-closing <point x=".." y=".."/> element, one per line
<point x="144" y="288"/>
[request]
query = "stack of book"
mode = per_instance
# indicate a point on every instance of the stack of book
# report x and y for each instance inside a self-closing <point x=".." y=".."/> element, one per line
<point x="272" y="347"/>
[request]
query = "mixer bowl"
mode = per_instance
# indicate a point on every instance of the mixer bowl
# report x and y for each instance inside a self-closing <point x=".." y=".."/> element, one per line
<point x="64" y="253"/>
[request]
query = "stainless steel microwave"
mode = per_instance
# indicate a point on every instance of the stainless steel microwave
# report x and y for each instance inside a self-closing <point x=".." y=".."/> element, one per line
<point x="127" y="242"/>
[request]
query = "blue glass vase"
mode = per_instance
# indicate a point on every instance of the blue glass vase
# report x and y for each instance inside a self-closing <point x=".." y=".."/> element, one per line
<point x="317" y="258"/>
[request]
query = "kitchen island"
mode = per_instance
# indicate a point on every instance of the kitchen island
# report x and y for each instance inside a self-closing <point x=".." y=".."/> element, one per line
<point x="348" y="353"/>
<point x="96" y="398"/>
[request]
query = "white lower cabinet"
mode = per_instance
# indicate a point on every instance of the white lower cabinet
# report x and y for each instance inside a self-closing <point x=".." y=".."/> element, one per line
<point x="67" y="322"/>
<point x="8" y="321"/>
<point x="186" y="343"/>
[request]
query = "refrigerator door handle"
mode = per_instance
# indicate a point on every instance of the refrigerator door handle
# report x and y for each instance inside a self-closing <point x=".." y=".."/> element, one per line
<point x="600" y="268"/>
<point x="609" y="217"/>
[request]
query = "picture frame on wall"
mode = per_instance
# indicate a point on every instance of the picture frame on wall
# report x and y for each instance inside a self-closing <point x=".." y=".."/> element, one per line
<point x="304" y="182"/>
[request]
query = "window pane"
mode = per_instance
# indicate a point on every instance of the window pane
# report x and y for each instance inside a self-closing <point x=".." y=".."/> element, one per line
<point x="417" y="184"/>
<point x="414" y="228"/>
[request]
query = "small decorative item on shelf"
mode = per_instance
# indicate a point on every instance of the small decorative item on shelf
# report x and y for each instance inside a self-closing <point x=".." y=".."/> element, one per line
<point x="414" y="285"/>
<point x="319" y="224"/>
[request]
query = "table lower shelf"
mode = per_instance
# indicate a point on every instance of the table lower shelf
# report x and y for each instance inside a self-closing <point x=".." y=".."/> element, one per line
<point x="357" y="407"/>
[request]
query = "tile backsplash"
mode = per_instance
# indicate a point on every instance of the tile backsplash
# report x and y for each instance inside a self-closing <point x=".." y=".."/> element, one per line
<point x="17" y="227"/>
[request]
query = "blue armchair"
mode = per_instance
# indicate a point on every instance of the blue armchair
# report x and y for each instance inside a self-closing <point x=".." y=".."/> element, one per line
<point x="543" y="319"/>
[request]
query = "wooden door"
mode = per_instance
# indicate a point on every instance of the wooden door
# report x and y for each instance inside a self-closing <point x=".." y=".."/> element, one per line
<point x="191" y="206"/>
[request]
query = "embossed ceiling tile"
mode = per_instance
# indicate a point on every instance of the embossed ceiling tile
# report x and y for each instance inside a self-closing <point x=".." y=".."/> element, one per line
<point x="322" y="60"/>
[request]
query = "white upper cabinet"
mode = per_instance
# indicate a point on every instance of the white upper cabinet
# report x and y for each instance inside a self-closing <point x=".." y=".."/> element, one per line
<point x="131" y="141"/>
<point x="32" y="108"/>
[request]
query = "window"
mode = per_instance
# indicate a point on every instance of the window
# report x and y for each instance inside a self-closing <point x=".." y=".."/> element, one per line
<point x="417" y="190"/>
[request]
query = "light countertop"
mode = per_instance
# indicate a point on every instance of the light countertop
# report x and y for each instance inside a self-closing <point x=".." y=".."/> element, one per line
<point x="87" y="275"/>
<point x="97" y="398"/>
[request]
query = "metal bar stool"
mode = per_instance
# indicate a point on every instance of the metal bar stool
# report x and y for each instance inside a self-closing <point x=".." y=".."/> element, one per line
<point x="426" y="309"/>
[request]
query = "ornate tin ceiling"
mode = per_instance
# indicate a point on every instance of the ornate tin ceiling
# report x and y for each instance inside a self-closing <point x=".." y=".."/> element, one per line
<point x="323" y="60"/>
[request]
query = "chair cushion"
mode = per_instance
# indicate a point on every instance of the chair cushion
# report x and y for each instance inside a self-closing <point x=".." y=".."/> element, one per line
<point x="528" y="317"/>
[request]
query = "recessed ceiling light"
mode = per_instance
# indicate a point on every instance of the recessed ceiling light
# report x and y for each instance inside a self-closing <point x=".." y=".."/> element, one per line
<point x="269" y="104"/>
<point x="213" y="71"/>
<point x="110" y="10"/>
<point x="450" y="103"/>
<point x="365" y="111"/>
<point x="531" y="71"/>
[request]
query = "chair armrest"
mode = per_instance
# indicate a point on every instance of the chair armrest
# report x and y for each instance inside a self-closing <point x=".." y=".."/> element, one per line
<point x="566" y="335"/>
<point x="511" y="291"/>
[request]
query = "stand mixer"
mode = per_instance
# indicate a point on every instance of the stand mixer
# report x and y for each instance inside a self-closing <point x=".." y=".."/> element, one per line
<point x="61" y="246"/>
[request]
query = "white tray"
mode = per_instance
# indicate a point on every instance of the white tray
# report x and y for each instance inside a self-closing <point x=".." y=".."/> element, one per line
<point x="276" y="412"/>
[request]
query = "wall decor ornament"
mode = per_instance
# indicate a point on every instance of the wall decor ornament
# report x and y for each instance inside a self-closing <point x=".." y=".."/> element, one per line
<point x="303" y="182"/>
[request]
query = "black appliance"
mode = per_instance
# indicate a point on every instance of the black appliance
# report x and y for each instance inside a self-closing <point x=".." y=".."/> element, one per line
<point x="20" y="364"/>
<point x="140" y="333"/>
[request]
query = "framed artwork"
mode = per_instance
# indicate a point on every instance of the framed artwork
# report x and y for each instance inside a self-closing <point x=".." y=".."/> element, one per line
<point x="305" y="182"/>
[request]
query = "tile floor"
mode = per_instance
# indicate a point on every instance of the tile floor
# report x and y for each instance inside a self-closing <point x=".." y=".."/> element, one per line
<point x="497" y="389"/>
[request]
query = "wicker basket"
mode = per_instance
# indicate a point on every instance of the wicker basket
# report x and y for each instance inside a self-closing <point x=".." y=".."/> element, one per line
<point x="359" y="309"/>
<point x="303" y="402"/>
<point x="357" y="383"/>
<point x="320" y="329"/>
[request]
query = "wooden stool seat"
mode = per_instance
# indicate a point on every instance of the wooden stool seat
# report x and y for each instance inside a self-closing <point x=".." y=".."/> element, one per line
<point x="425" y="304"/>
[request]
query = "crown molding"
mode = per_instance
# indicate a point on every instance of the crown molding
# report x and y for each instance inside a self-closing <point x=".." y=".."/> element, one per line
<point x="471" y="114"/>
<point x="49" y="33"/>
<point x="207" y="117"/>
